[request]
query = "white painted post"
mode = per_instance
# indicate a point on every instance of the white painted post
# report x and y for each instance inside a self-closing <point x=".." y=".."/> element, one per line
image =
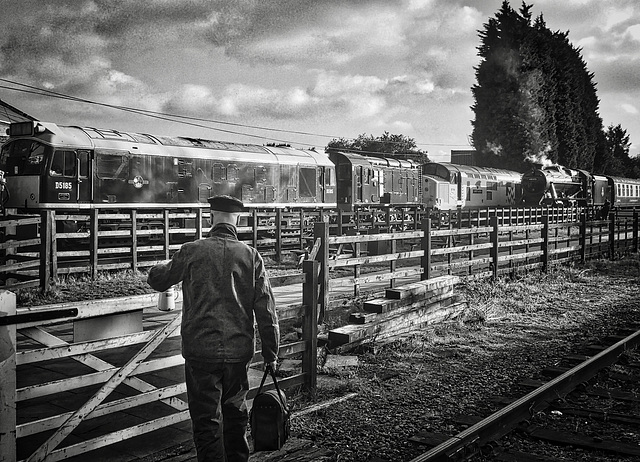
<point x="7" y="379"/>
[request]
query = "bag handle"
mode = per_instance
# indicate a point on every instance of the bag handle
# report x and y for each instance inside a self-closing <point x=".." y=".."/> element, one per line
<point x="268" y="370"/>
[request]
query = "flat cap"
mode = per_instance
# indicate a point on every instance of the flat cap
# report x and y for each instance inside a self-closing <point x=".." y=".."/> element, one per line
<point x="226" y="204"/>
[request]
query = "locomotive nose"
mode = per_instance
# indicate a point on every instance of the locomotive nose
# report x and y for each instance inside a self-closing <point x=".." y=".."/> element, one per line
<point x="534" y="182"/>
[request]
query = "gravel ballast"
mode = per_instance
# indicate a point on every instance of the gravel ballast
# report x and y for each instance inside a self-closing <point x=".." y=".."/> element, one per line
<point x="512" y="330"/>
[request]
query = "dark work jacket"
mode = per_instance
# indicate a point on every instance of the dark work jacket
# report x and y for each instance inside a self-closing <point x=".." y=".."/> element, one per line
<point x="224" y="285"/>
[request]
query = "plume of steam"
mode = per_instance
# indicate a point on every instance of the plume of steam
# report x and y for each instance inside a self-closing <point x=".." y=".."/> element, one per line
<point x="541" y="157"/>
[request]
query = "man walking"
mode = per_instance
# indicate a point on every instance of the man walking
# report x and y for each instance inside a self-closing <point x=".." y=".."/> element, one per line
<point x="225" y="288"/>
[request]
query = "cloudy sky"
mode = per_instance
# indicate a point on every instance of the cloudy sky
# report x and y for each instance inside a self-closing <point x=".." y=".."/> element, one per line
<point x="298" y="71"/>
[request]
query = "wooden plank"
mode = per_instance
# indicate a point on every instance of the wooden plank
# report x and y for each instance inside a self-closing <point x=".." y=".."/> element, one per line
<point x="374" y="259"/>
<point x="421" y="287"/>
<point x="463" y="263"/>
<point x="537" y="240"/>
<point x="517" y="456"/>
<point x="373" y="277"/>
<point x="582" y="441"/>
<point x="114" y="437"/>
<point x="520" y="256"/>
<point x="461" y="231"/>
<point x="373" y="237"/>
<point x="19" y="243"/>
<point x="412" y="319"/>
<point x="406" y="305"/>
<point x="92" y="308"/>
<point x="166" y="395"/>
<point x="461" y="249"/>
<point x="429" y="438"/>
<point x="95" y="378"/>
<point x="605" y="416"/>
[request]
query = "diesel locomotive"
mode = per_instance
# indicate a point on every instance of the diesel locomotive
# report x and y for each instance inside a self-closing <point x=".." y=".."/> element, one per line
<point x="47" y="166"/>
<point x="449" y="186"/>
<point x="370" y="181"/>
<point x="557" y="185"/>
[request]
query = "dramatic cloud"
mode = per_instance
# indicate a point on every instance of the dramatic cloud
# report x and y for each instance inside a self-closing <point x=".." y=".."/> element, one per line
<point x="324" y="65"/>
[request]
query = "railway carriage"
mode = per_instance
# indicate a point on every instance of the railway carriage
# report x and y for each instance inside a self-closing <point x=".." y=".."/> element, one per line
<point x="448" y="186"/>
<point x="58" y="167"/>
<point x="364" y="181"/>
<point x="624" y="192"/>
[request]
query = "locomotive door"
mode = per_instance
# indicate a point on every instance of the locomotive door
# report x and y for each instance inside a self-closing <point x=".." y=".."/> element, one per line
<point x="357" y="181"/>
<point x="83" y="176"/>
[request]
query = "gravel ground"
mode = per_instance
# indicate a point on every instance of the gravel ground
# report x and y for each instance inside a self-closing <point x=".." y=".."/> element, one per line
<point x="512" y="330"/>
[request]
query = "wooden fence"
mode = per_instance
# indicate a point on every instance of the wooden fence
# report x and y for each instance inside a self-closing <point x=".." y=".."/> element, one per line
<point x="79" y="377"/>
<point x="136" y="239"/>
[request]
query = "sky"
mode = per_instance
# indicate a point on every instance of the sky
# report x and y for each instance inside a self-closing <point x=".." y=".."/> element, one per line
<point x="301" y="72"/>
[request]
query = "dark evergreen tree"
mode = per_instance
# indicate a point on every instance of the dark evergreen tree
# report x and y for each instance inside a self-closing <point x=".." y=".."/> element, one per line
<point x="535" y="100"/>
<point x="615" y="159"/>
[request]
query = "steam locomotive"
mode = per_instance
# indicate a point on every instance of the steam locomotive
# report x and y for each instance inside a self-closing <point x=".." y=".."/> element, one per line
<point x="557" y="185"/>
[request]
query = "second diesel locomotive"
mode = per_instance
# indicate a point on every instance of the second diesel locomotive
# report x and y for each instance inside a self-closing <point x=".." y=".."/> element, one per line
<point x="369" y="181"/>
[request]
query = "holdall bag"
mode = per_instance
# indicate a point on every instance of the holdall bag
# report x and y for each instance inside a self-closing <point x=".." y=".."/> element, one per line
<point x="269" y="416"/>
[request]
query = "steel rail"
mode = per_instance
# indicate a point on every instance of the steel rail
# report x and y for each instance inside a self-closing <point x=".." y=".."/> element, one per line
<point x="498" y="424"/>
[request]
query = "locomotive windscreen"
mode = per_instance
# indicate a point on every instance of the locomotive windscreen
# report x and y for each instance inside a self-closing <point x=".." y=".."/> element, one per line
<point x="23" y="157"/>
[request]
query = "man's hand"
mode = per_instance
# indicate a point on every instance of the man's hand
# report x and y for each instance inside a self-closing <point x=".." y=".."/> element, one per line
<point x="272" y="364"/>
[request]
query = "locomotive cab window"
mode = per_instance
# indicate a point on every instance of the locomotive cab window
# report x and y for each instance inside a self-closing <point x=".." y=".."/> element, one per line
<point x="307" y="186"/>
<point x="23" y="157"/>
<point x="329" y="177"/>
<point x="63" y="163"/>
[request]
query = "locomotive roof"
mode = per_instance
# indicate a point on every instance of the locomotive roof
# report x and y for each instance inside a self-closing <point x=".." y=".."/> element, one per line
<point x="359" y="159"/>
<point x="472" y="171"/>
<point x="90" y="137"/>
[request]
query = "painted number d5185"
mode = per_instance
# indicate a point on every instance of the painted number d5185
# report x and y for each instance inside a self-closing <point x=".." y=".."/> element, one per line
<point x="63" y="185"/>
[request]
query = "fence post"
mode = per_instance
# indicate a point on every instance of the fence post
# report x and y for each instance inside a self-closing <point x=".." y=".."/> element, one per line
<point x="93" y="243"/>
<point x="134" y="239"/>
<point x="545" y="242"/>
<point x="321" y="231"/>
<point x="426" y="248"/>
<point x="301" y="240"/>
<point x="7" y="379"/>
<point x="167" y="236"/>
<point x="612" y="236"/>
<point x="199" y="223"/>
<point x="635" y="231"/>
<point x="583" y="237"/>
<point x="254" y="215"/>
<point x="310" y="324"/>
<point x="495" y="251"/>
<point x="279" y="235"/>
<point x="46" y="248"/>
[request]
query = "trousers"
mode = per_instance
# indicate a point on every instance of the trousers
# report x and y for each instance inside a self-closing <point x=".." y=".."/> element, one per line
<point x="217" y="394"/>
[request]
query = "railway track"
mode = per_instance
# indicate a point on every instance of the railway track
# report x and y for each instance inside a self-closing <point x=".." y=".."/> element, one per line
<point x="584" y="407"/>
